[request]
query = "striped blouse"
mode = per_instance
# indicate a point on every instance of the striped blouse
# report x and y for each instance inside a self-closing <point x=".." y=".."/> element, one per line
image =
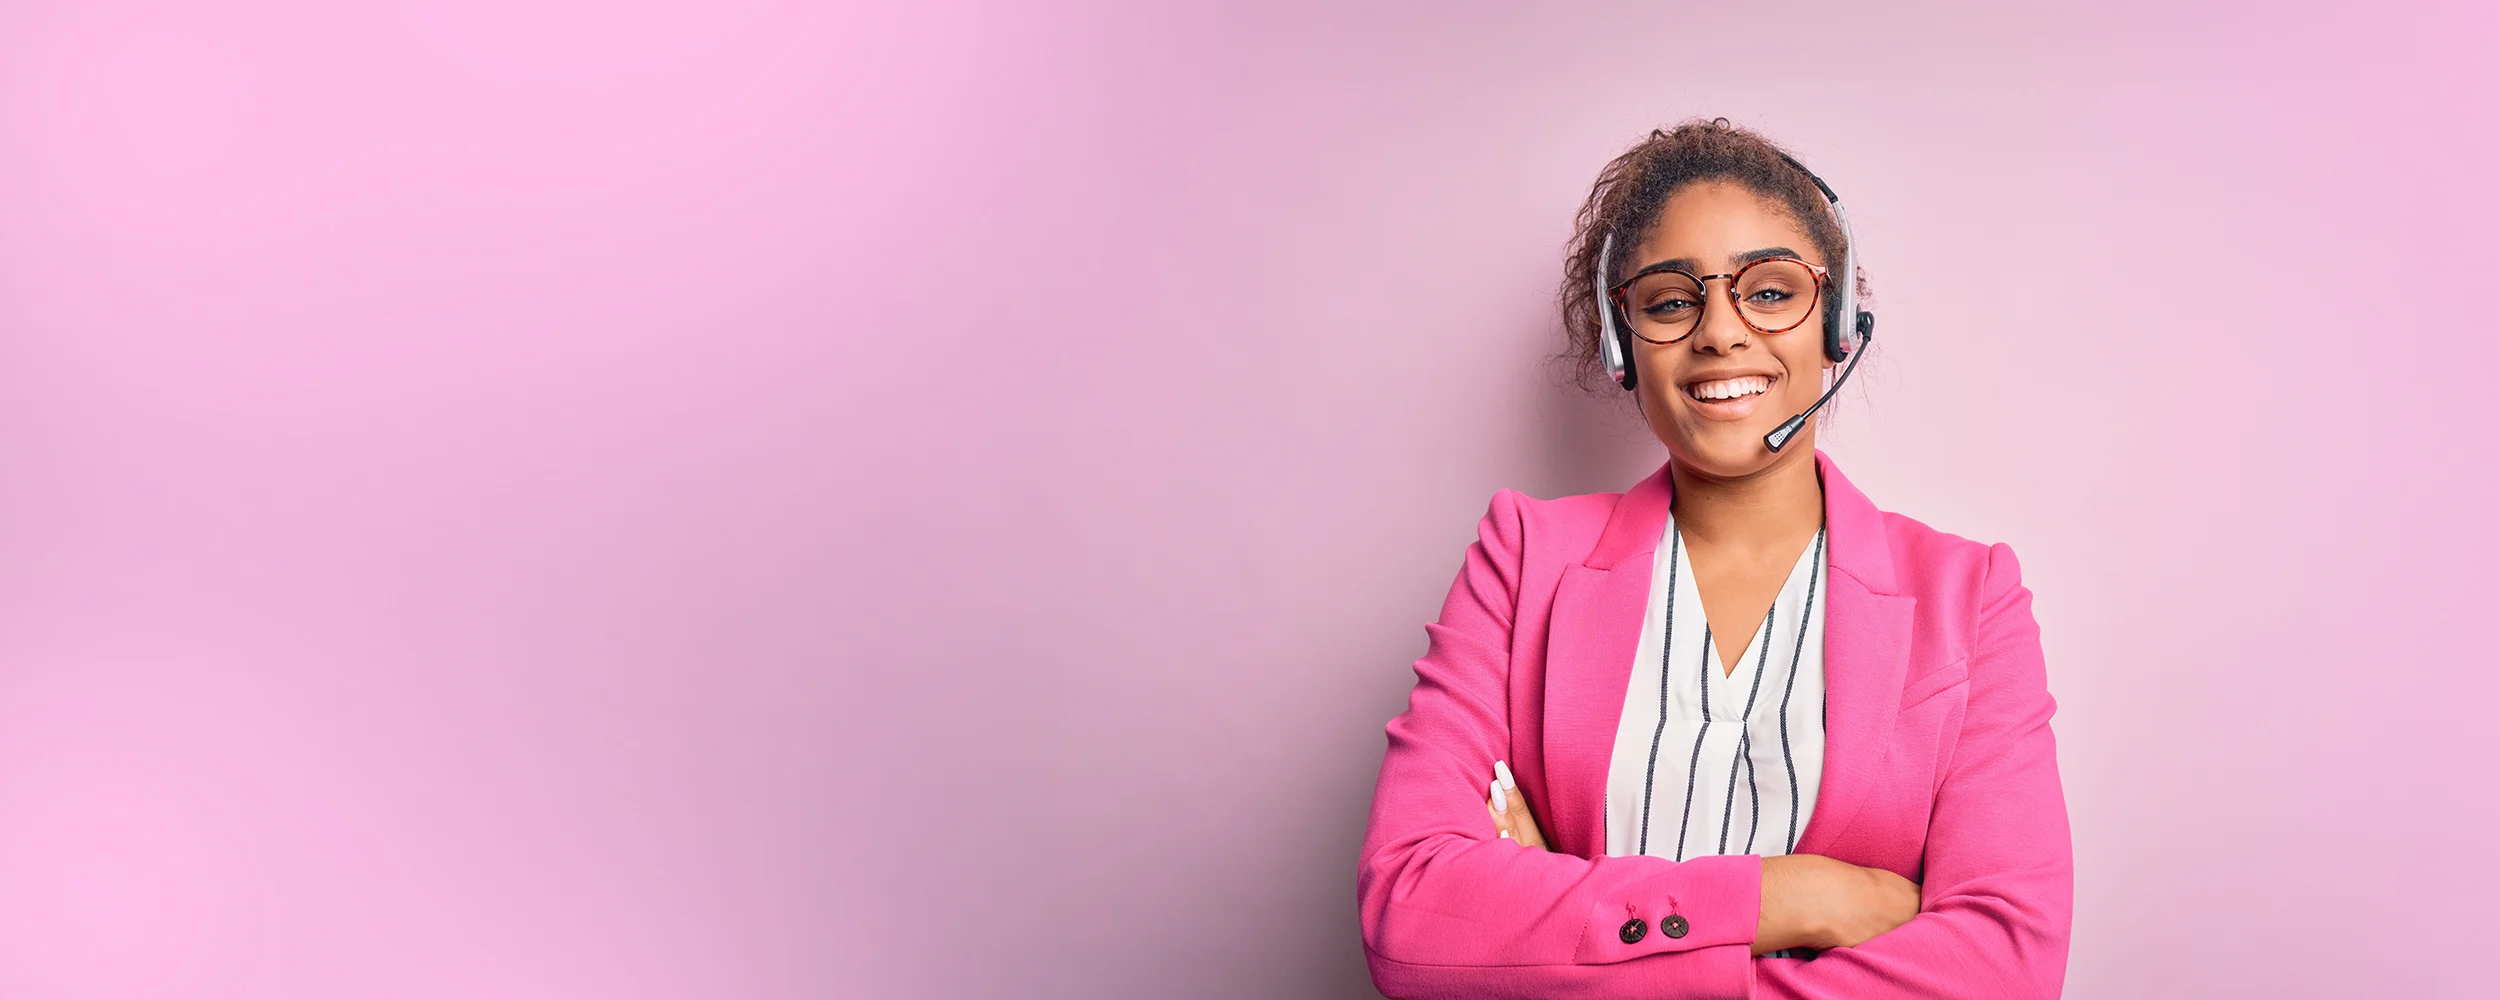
<point x="1707" y="762"/>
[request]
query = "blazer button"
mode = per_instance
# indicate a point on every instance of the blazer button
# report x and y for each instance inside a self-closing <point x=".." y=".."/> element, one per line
<point x="1675" y="925"/>
<point x="1634" y="930"/>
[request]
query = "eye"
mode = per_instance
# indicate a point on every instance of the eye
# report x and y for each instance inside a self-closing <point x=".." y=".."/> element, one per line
<point x="1771" y="296"/>
<point x="1669" y="307"/>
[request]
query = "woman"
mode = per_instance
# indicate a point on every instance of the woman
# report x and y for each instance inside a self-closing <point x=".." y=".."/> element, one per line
<point x="1590" y="794"/>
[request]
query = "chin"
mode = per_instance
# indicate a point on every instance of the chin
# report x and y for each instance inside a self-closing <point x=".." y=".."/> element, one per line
<point x="1728" y="452"/>
<point x="1733" y="449"/>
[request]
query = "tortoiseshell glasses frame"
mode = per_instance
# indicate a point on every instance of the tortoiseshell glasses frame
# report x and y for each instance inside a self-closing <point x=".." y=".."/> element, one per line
<point x="1615" y="296"/>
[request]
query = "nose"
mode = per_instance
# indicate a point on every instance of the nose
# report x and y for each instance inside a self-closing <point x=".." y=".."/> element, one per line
<point x="1721" y="330"/>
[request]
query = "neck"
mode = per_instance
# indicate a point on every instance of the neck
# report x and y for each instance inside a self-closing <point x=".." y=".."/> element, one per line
<point x="1761" y="511"/>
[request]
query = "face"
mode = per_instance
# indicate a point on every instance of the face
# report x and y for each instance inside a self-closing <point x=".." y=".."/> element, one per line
<point x="1713" y="227"/>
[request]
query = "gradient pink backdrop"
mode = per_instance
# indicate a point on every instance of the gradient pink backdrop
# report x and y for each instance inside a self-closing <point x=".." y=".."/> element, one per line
<point x="774" y="500"/>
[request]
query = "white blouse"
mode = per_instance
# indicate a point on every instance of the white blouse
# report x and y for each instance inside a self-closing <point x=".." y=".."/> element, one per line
<point x="1712" y="763"/>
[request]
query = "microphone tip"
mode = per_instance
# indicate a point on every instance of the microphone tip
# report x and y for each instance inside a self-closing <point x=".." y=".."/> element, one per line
<point x="1779" y="436"/>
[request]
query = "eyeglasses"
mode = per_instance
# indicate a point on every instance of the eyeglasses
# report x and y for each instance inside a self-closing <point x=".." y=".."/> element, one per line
<point x="1662" y="304"/>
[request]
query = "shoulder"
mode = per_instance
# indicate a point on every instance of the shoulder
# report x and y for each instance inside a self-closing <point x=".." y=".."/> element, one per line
<point x="1562" y="528"/>
<point x="1972" y="604"/>
<point x="1521" y="544"/>
<point x="1939" y="566"/>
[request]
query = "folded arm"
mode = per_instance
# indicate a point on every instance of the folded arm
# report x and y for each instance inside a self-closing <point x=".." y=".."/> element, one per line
<point x="1451" y="910"/>
<point x="1999" y="880"/>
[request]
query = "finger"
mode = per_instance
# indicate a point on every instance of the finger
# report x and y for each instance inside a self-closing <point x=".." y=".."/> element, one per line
<point x="1522" y="823"/>
<point x="1523" y="827"/>
<point x="1494" y="804"/>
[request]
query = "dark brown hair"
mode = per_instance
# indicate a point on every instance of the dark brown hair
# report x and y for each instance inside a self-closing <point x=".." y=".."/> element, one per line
<point x="1633" y="189"/>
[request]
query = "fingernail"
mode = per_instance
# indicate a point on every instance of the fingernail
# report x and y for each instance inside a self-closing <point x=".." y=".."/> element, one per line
<point x="1501" y="802"/>
<point x="1502" y="771"/>
<point x="1505" y="835"/>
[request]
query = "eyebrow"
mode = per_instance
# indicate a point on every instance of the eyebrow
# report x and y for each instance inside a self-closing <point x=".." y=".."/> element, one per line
<point x="1742" y="259"/>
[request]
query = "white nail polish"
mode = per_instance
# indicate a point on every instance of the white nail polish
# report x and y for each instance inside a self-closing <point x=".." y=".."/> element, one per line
<point x="1502" y="770"/>
<point x="1505" y="835"/>
<point x="1501" y="802"/>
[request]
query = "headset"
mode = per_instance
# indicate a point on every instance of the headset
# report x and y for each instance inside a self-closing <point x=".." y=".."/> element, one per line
<point x="1841" y="340"/>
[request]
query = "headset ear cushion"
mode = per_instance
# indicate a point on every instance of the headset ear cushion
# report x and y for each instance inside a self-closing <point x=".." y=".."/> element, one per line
<point x="1623" y="345"/>
<point x="1837" y="339"/>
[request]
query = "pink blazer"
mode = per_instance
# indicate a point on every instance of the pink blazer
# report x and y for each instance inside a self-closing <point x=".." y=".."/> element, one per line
<point x="1938" y="765"/>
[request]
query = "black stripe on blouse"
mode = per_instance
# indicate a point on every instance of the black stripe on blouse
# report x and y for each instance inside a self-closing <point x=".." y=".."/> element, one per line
<point x="1787" y="756"/>
<point x="1666" y="658"/>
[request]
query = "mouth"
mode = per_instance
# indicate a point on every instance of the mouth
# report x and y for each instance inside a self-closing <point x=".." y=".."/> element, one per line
<point x="1729" y="398"/>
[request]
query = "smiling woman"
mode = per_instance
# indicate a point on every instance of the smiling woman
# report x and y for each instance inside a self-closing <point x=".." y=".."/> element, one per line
<point x="1768" y="290"/>
<point x="1595" y="792"/>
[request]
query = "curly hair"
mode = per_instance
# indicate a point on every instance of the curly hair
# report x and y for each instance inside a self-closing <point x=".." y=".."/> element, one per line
<point x="1632" y="190"/>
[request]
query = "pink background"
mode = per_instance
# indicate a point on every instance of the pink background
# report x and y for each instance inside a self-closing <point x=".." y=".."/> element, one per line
<point x="775" y="500"/>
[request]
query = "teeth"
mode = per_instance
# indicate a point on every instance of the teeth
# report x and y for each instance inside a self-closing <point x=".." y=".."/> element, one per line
<point x="1732" y="387"/>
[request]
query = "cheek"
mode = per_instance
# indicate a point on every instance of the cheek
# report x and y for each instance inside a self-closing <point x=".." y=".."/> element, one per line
<point x="1805" y="373"/>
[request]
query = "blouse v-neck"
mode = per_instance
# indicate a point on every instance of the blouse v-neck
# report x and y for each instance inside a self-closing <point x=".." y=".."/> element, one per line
<point x="1707" y="762"/>
<point x="1749" y="661"/>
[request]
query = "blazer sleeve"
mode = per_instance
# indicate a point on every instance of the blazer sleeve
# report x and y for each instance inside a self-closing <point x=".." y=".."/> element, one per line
<point x="1449" y="909"/>
<point x="1998" y="891"/>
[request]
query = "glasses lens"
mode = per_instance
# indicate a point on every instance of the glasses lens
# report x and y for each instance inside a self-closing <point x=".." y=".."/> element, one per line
<point x="1775" y="295"/>
<point x="1663" y="305"/>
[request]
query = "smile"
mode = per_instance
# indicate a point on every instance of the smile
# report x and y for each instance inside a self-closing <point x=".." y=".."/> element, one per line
<point x="1729" y="388"/>
<point x="1729" y="398"/>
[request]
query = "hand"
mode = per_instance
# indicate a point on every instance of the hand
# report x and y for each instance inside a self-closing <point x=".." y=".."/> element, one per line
<point x="1818" y="902"/>
<point x="1510" y="810"/>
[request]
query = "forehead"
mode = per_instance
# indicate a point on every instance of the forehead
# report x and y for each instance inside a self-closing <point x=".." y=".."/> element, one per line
<point x="1715" y="221"/>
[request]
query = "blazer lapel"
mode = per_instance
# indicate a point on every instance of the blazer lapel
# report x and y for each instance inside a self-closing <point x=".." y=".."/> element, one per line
<point x="1596" y="624"/>
<point x="1866" y="648"/>
<point x="1595" y="627"/>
